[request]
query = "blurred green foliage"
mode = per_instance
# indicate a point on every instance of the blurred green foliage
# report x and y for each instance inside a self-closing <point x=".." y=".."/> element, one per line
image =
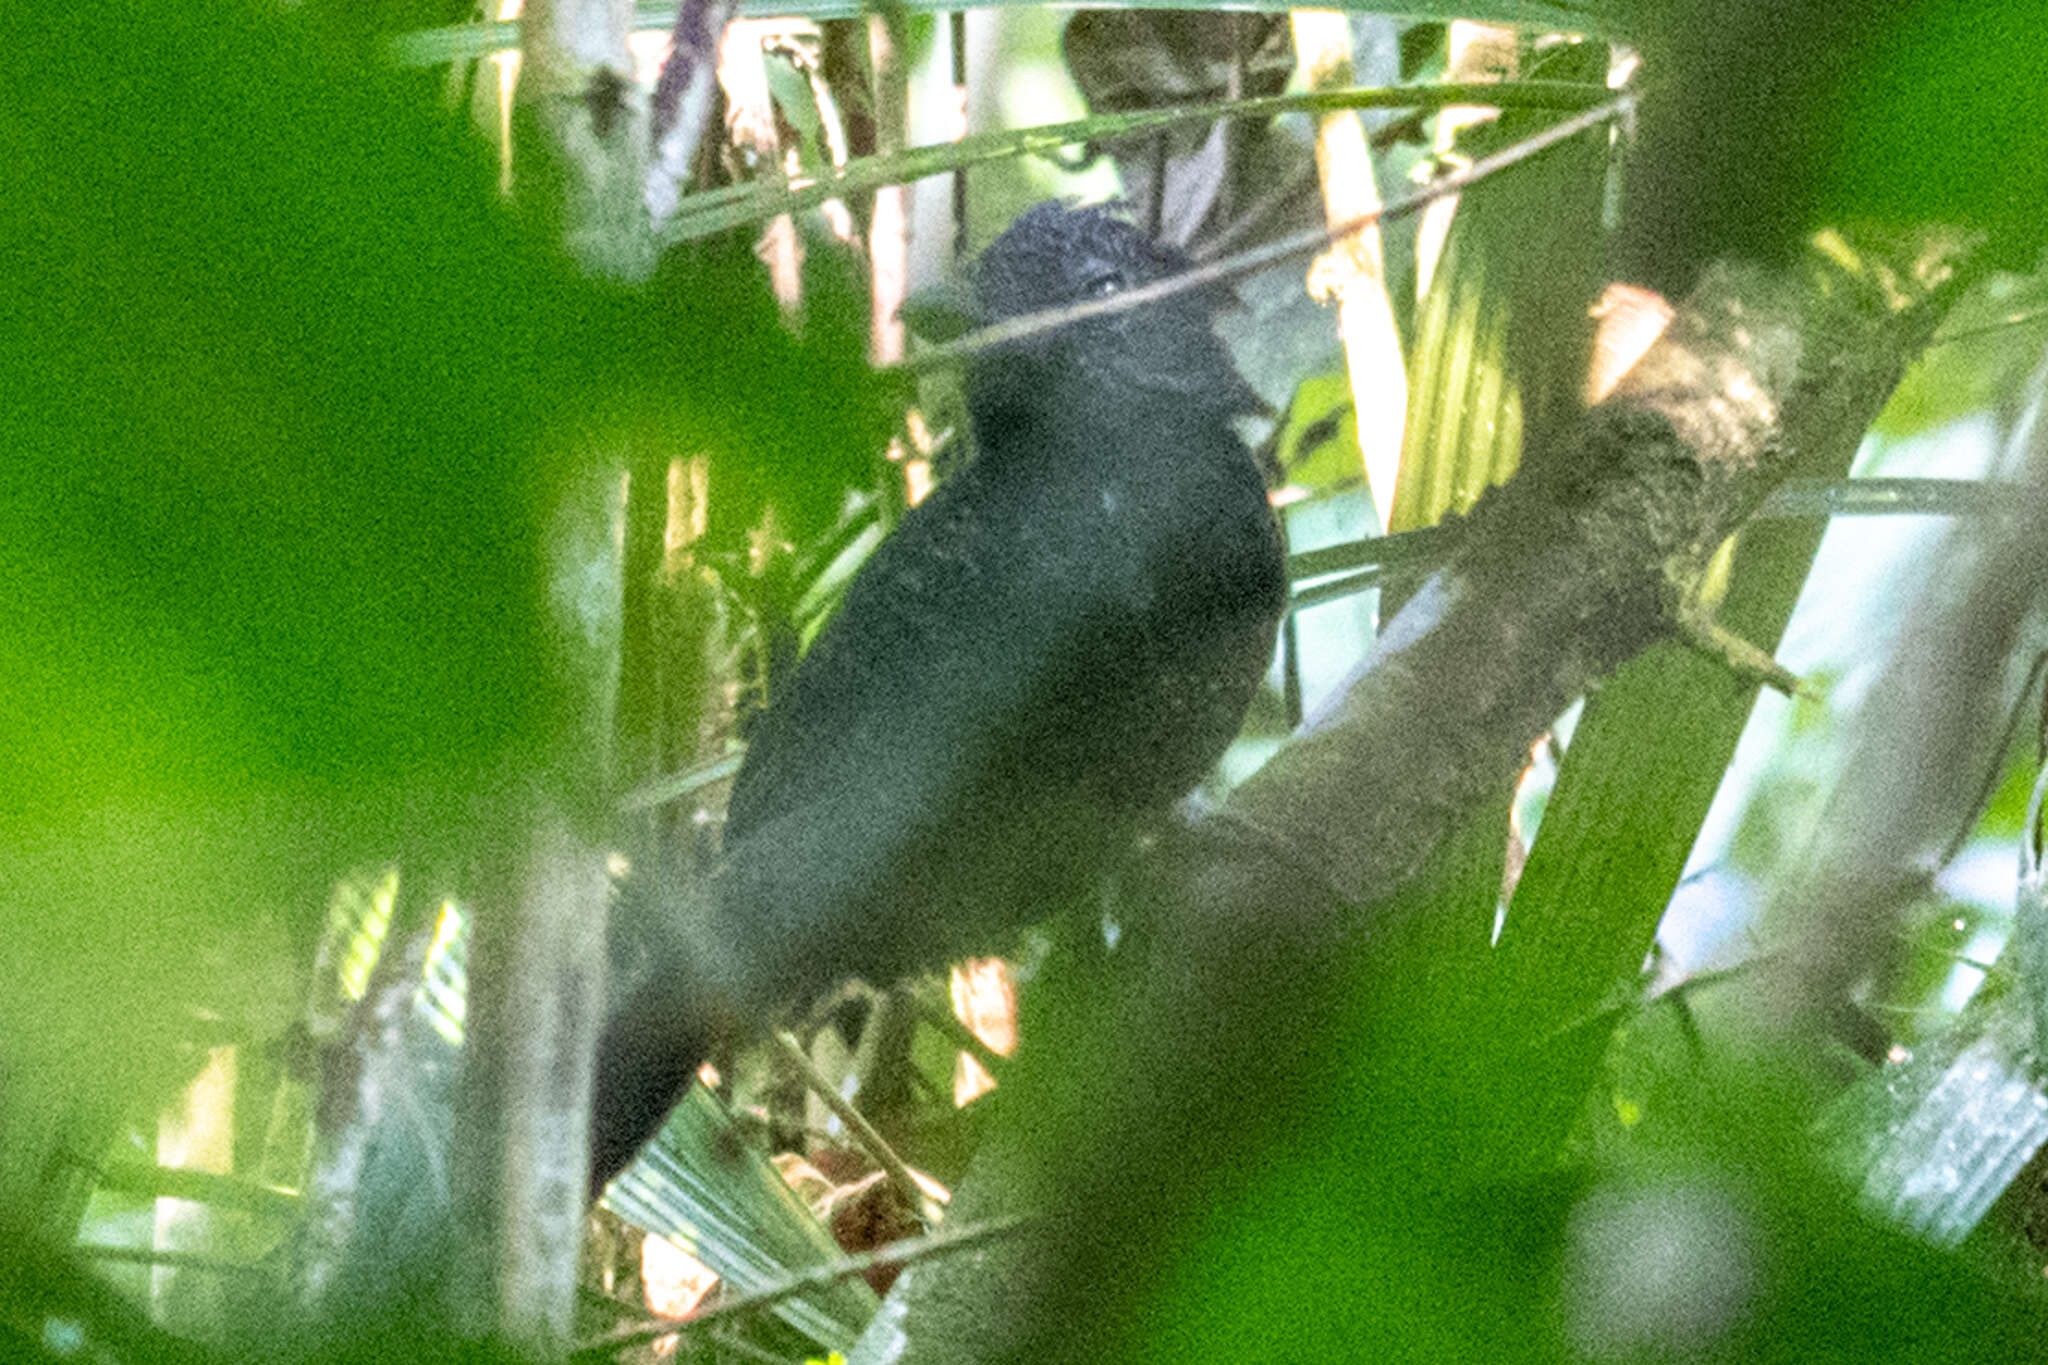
<point x="1941" y="119"/>
<point x="287" y="398"/>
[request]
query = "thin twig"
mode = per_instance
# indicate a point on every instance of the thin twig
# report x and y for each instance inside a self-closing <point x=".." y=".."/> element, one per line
<point x="1364" y="562"/>
<point x="656" y="791"/>
<point x="902" y="1252"/>
<point x="1240" y="264"/>
<point x="715" y="210"/>
<point x="1994" y="771"/>
<point x="857" y="1125"/>
<point x="2011" y="320"/>
<point x="960" y="1036"/>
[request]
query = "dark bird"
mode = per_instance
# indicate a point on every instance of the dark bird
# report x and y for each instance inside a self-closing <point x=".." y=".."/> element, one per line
<point x="1062" y="638"/>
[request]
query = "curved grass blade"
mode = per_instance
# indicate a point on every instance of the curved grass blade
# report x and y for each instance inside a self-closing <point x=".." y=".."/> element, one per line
<point x="700" y="215"/>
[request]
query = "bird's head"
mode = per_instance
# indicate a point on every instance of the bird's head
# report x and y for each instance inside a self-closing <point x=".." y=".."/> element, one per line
<point x="1054" y="256"/>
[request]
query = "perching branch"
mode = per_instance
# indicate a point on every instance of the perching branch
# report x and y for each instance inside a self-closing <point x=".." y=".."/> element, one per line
<point x="1562" y="574"/>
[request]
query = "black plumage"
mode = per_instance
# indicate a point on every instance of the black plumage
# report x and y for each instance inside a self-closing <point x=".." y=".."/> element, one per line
<point x="1066" y="634"/>
<point x="1063" y="637"/>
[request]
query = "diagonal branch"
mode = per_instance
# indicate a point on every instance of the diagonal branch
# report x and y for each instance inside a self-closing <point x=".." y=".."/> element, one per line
<point x="1561" y="574"/>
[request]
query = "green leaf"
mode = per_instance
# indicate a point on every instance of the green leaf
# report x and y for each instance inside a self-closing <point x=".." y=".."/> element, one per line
<point x="1502" y="336"/>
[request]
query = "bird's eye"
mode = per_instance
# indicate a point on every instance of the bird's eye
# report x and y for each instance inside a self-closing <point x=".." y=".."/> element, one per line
<point x="1103" y="285"/>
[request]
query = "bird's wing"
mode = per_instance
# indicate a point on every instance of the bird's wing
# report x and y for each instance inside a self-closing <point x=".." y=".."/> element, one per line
<point x="967" y="635"/>
<point x="922" y="776"/>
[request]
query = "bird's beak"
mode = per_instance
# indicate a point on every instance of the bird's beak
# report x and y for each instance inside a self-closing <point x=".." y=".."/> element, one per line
<point x="942" y="312"/>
